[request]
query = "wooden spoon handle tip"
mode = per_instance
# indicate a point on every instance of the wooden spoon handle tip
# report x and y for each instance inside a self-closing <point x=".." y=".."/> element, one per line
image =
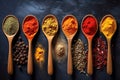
<point x="69" y="64"/>
<point x="50" y="62"/>
<point x="30" y="62"/>
<point x="90" y="63"/>
<point x="10" y="61"/>
<point x="109" y="59"/>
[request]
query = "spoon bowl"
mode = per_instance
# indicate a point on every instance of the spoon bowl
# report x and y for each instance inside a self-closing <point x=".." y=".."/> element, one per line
<point x="10" y="39"/>
<point x="69" y="37"/>
<point x="50" y="38"/>
<point x="30" y="38"/>
<point x="89" y="37"/>
<point x="113" y="25"/>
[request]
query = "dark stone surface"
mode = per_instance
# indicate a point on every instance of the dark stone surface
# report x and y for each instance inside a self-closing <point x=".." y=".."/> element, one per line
<point x="60" y="8"/>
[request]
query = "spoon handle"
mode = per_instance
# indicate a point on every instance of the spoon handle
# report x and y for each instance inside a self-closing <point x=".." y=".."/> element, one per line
<point x="30" y="62"/>
<point x="90" y="65"/>
<point x="109" y="58"/>
<point x="69" y="64"/>
<point x="10" y="62"/>
<point x="50" y="62"/>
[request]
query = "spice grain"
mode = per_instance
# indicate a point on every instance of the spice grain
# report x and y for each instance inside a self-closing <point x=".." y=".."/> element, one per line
<point x="79" y="56"/>
<point x="20" y="52"/>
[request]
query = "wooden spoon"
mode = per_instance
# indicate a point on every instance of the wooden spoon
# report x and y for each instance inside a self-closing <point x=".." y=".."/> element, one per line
<point x="10" y="38"/>
<point x="109" y="57"/>
<point x="89" y="38"/>
<point x="30" y="60"/>
<point x="50" y="38"/>
<point x="69" y="39"/>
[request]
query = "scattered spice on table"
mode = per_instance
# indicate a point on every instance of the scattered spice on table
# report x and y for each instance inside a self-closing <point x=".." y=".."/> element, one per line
<point x="108" y="26"/>
<point x="30" y="26"/>
<point x="39" y="53"/>
<point x="99" y="53"/>
<point x="69" y="25"/>
<point x="60" y="49"/>
<point x="50" y="26"/>
<point x="20" y="52"/>
<point x="89" y="25"/>
<point x="11" y="25"/>
<point x="79" y="56"/>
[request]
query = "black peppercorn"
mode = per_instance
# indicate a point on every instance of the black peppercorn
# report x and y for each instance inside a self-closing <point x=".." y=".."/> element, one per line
<point x="20" y="50"/>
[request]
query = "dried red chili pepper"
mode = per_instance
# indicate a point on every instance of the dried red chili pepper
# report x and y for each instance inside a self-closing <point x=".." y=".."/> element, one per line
<point x="99" y="53"/>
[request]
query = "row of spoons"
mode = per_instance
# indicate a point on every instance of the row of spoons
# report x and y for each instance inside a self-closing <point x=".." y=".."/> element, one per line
<point x="50" y="38"/>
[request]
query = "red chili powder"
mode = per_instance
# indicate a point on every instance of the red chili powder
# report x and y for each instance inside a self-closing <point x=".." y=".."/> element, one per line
<point x="30" y="26"/>
<point x="89" y="25"/>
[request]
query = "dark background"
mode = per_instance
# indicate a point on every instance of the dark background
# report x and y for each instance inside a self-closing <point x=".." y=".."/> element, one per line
<point x="60" y="8"/>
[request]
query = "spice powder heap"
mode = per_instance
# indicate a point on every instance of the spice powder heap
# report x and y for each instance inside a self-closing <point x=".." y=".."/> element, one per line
<point x="60" y="49"/>
<point x="89" y="25"/>
<point x="108" y="26"/>
<point x="30" y="26"/>
<point x="39" y="54"/>
<point x="69" y="26"/>
<point x="50" y="26"/>
<point x="11" y="25"/>
<point x="79" y="56"/>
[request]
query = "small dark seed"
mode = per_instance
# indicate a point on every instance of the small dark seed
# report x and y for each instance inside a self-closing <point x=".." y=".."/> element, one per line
<point x="19" y="66"/>
<point x="20" y="38"/>
<point x="27" y="46"/>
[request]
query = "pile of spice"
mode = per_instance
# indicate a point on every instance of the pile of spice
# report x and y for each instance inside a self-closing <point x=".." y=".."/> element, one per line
<point x="10" y="25"/>
<point x="89" y="25"/>
<point x="108" y="26"/>
<point x="30" y="26"/>
<point x="79" y="56"/>
<point x="60" y="50"/>
<point x="69" y="25"/>
<point x="50" y="26"/>
<point x="39" y="53"/>
<point x="99" y="53"/>
<point x="20" y="52"/>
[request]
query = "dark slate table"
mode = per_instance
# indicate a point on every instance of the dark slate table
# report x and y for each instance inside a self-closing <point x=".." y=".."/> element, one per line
<point x="59" y="8"/>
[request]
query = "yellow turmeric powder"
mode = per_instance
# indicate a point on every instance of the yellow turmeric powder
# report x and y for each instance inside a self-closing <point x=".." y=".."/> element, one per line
<point x="39" y="54"/>
<point x="69" y="25"/>
<point x="108" y="26"/>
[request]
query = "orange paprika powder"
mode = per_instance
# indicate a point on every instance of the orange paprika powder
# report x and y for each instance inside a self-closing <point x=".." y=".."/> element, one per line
<point x="69" y="25"/>
<point x="89" y="25"/>
<point x="30" y="26"/>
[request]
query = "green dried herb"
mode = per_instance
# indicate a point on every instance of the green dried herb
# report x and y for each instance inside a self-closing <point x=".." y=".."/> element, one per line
<point x="10" y="25"/>
<point x="79" y="56"/>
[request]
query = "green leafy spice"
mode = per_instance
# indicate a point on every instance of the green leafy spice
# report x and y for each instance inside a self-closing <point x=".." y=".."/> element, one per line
<point x="10" y="25"/>
<point x="79" y="56"/>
